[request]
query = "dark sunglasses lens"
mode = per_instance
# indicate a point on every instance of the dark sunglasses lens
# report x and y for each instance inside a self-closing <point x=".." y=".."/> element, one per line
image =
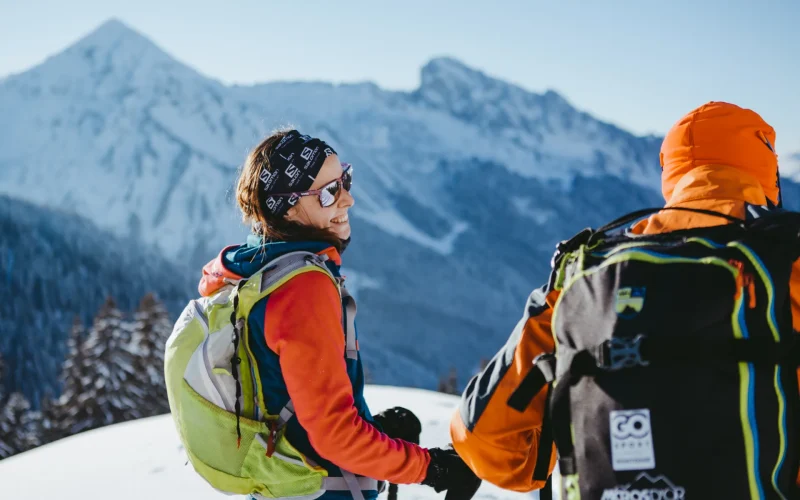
<point x="347" y="179"/>
<point x="327" y="196"/>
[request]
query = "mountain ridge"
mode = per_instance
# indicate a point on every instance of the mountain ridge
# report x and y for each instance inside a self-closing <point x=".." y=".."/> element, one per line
<point x="462" y="186"/>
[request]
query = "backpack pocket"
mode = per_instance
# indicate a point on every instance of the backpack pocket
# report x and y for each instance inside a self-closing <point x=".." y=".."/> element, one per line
<point x="211" y="440"/>
<point x="209" y="369"/>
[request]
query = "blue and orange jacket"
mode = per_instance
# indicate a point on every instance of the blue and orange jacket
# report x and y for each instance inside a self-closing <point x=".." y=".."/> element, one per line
<point x="298" y="341"/>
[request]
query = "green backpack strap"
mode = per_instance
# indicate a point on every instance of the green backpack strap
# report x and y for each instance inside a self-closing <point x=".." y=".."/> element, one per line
<point x="270" y="277"/>
<point x="279" y="270"/>
<point x="273" y="275"/>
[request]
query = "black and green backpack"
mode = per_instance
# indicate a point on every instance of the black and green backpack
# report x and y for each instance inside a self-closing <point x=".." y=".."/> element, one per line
<point x="675" y="369"/>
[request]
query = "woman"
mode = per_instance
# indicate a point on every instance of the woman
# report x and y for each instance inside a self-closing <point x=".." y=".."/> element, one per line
<point x="295" y="193"/>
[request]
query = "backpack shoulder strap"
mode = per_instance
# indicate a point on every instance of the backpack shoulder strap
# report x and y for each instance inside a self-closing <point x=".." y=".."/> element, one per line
<point x="247" y="292"/>
<point x="634" y="216"/>
<point x="280" y="270"/>
<point x="277" y="271"/>
<point x="542" y="373"/>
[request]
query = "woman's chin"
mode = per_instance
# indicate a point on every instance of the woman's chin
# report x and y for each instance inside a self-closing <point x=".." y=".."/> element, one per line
<point x="341" y="230"/>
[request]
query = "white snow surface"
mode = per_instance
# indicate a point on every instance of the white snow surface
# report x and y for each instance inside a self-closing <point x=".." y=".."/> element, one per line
<point x="143" y="459"/>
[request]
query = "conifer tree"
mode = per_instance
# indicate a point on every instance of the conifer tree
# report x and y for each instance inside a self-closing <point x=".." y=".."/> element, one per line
<point x="103" y="393"/>
<point x="151" y="329"/>
<point x="17" y="426"/>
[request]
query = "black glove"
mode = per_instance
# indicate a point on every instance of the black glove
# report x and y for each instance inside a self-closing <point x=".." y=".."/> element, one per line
<point x="399" y="423"/>
<point x="447" y="471"/>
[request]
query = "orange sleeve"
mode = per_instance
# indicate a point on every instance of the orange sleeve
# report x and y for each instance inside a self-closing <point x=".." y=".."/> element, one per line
<point x="303" y="327"/>
<point x="498" y="443"/>
<point x="794" y="290"/>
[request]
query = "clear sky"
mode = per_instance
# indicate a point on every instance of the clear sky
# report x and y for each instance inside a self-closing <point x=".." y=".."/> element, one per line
<point x="640" y="64"/>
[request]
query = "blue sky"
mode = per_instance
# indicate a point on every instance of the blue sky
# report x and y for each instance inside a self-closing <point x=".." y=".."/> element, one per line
<point x="640" y="64"/>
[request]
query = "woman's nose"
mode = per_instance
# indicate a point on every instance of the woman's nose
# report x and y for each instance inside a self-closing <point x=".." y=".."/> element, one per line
<point x="346" y="199"/>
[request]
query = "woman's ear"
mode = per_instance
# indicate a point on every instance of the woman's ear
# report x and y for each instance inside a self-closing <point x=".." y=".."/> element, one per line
<point x="294" y="214"/>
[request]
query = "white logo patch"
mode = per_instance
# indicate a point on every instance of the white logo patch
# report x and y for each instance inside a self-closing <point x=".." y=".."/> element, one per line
<point x="646" y="487"/>
<point x="632" y="440"/>
<point x="292" y="172"/>
<point x="306" y="154"/>
<point x="265" y="176"/>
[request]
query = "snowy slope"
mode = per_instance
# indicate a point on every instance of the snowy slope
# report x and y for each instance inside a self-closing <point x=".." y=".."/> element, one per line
<point x="463" y="186"/>
<point x="143" y="459"/>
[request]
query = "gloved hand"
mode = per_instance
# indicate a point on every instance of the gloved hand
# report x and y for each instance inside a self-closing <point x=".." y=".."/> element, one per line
<point x="399" y="423"/>
<point x="447" y="471"/>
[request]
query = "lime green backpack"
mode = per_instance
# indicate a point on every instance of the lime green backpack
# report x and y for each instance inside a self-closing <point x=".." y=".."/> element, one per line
<point x="216" y="398"/>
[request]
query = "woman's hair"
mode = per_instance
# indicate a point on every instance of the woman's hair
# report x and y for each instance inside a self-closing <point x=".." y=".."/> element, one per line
<point x="250" y="198"/>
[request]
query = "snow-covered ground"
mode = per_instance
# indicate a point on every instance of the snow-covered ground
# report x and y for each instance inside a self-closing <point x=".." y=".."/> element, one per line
<point x="143" y="460"/>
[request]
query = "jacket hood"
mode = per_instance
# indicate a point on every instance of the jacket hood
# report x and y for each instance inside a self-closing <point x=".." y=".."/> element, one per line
<point x="719" y="188"/>
<point x="720" y="133"/>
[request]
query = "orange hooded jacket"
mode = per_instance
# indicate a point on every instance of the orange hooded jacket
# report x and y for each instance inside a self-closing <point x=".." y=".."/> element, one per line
<point x="718" y="157"/>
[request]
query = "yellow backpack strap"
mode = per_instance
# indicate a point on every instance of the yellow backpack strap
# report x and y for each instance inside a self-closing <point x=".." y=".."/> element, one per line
<point x="273" y="275"/>
<point x="280" y="270"/>
<point x="262" y="283"/>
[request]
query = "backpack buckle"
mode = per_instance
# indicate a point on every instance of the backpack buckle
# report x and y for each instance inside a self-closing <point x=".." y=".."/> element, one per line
<point x="572" y="244"/>
<point x="272" y="439"/>
<point x="619" y="353"/>
<point x="546" y="364"/>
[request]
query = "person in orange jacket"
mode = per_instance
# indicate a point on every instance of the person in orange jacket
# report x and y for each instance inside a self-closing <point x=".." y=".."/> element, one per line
<point x="718" y="157"/>
<point x="295" y="193"/>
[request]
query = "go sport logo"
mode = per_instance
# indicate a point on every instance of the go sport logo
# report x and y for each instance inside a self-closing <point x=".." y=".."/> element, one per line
<point x="646" y="487"/>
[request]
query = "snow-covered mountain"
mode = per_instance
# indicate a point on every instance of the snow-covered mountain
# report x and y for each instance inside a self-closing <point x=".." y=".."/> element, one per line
<point x="790" y="166"/>
<point x="462" y="186"/>
<point x="142" y="143"/>
<point x="144" y="459"/>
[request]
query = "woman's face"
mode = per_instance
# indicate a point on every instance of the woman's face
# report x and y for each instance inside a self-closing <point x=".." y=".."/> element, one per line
<point x="309" y="212"/>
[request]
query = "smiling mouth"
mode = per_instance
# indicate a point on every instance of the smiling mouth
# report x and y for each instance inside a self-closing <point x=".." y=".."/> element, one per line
<point x="340" y="220"/>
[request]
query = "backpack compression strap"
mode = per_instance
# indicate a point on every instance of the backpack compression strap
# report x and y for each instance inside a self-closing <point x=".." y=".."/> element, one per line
<point x="619" y="353"/>
<point x="641" y="350"/>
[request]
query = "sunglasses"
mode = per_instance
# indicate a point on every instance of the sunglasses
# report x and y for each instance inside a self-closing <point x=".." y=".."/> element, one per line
<point x="329" y="193"/>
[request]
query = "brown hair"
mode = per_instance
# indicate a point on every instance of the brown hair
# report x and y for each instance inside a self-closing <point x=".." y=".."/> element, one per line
<point x="249" y="197"/>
